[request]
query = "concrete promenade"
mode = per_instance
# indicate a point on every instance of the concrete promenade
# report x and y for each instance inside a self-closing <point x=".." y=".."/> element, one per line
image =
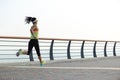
<point x="77" y="69"/>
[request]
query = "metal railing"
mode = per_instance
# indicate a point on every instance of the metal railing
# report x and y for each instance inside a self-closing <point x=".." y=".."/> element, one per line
<point x="53" y="49"/>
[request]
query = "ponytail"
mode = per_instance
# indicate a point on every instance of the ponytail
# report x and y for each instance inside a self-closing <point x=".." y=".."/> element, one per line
<point x="30" y="19"/>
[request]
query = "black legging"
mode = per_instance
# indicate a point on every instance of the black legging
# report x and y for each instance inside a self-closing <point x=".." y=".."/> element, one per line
<point x="33" y="43"/>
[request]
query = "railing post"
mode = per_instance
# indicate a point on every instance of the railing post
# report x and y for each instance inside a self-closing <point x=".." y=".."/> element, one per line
<point x="114" y="49"/>
<point x="31" y="56"/>
<point x="68" y="50"/>
<point x="94" y="50"/>
<point x="51" y="50"/>
<point x="82" y="49"/>
<point x="105" y="49"/>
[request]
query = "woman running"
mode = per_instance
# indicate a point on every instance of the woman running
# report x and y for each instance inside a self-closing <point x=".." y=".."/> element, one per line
<point x="34" y="39"/>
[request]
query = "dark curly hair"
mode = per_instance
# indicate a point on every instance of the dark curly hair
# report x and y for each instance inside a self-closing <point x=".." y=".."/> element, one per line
<point x="30" y="19"/>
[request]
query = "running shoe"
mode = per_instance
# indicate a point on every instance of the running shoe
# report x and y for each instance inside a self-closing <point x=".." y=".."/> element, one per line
<point x="42" y="63"/>
<point x="19" y="52"/>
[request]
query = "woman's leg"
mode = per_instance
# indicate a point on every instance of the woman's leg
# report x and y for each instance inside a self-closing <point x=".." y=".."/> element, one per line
<point x="40" y="59"/>
<point x="24" y="52"/>
<point x="30" y="46"/>
<point x="21" y="52"/>
<point x="38" y="51"/>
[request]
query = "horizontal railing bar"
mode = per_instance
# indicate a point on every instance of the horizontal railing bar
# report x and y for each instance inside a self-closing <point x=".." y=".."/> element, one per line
<point x="59" y="56"/>
<point x="44" y="46"/>
<point x="60" y="42"/>
<point x="57" y="46"/>
<point x="74" y="52"/>
<point x="12" y="58"/>
<point x="8" y="50"/>
<point x="76" y="42"/>
<point x="60" y="46"/>
<point x="12" y="41"/>
<point x="14" y="45"/>
<point x="7" y="54"/>
<point x="15" y="37"/>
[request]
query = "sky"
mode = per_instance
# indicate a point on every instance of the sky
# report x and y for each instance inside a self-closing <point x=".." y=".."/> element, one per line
<point x="69" y="19"/>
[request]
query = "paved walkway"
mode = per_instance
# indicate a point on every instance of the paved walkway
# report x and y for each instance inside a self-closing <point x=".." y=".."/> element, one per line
<point x="77" y="69"/>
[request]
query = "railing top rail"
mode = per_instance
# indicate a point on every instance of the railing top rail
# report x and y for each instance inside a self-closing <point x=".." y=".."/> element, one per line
<point x="20" y="37"/>
<point x="14" y="37"/>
